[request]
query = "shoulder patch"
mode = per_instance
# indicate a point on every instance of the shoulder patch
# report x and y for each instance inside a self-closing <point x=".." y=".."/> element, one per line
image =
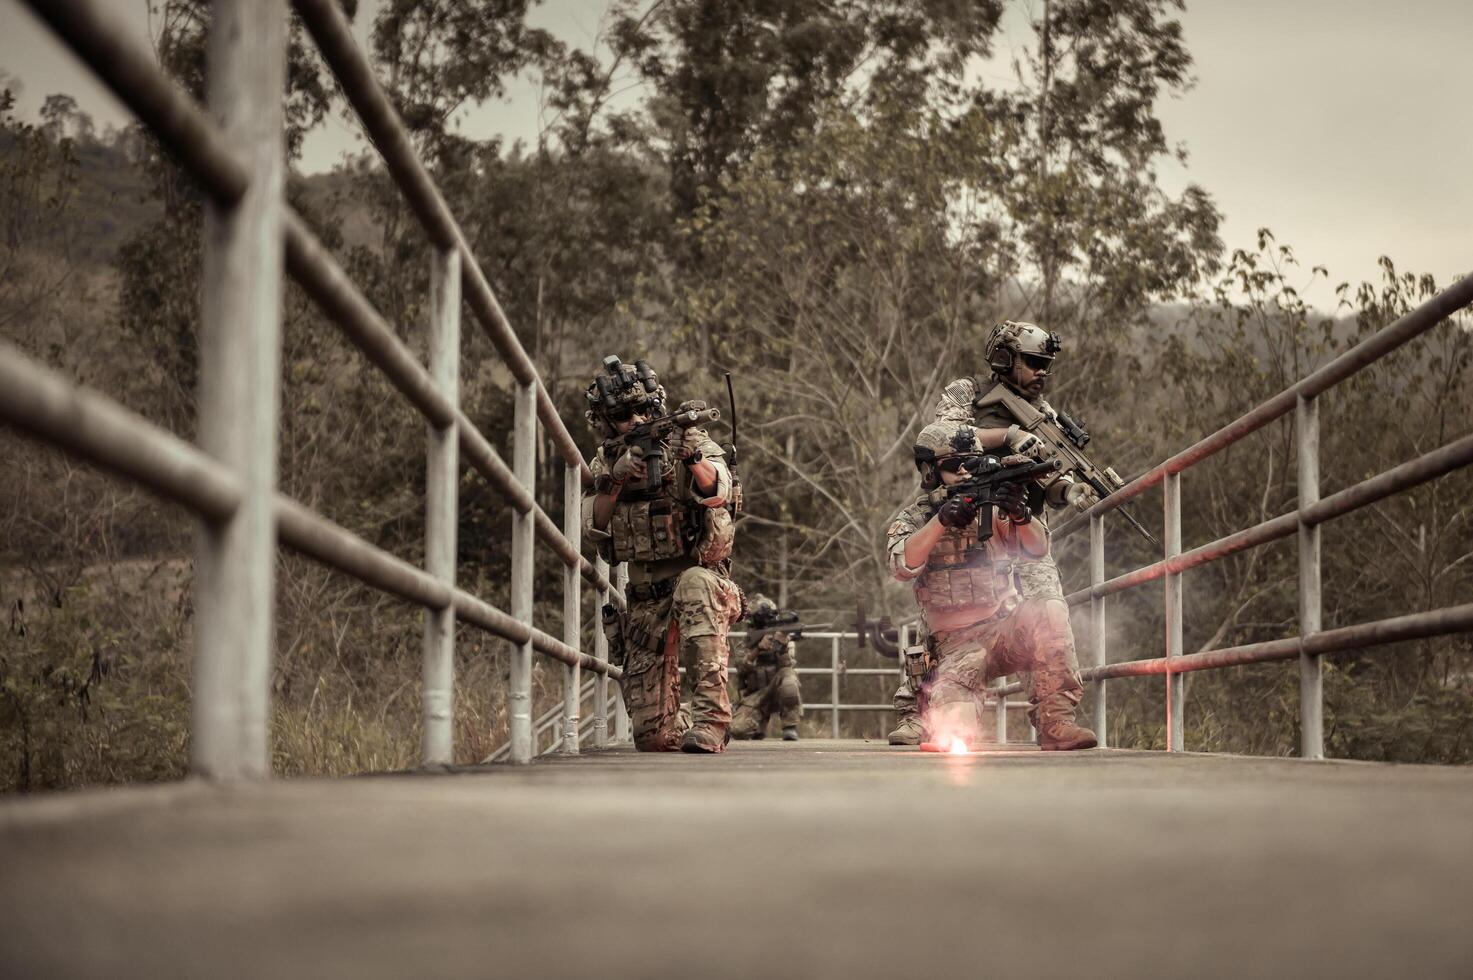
<point x="962" y="391"/>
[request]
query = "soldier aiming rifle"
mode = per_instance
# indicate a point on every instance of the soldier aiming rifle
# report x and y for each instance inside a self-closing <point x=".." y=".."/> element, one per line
<point x="767" y="675"/>
<point x="662" y="500"/>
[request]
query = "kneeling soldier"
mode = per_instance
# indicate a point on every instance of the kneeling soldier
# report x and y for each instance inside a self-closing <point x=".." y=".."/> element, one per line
<point x="767" y="676"/>
<point x="659" y="502"/>
<point x="961" y="557"/>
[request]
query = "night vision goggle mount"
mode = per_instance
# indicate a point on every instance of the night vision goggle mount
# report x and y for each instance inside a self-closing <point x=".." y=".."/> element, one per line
<point x="621" y="388"/>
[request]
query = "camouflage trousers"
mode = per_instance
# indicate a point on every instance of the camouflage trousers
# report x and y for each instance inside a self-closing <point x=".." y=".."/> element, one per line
<point x="1034" y="642"/>
<point x="690" y="624"/>
<point x="771" y="689"/>
<point x="1036" y="580"/>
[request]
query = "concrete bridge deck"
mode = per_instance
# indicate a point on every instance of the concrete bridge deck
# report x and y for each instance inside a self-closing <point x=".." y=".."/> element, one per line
<point x="775" y="860"/>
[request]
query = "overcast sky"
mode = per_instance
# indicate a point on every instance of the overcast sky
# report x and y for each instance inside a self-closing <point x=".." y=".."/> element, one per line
<point x="1340" y="124"/>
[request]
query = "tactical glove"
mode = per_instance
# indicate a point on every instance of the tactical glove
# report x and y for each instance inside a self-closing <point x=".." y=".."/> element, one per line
<point x="689" y="447"/>
<point x="1027" y="444"/>
<point x="1012" y="501"/>
<point x="630" y="466"/>
<point x="957" y="512"/>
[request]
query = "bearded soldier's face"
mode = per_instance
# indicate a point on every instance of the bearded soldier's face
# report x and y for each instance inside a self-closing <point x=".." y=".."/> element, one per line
<point x="1030" y="373"/>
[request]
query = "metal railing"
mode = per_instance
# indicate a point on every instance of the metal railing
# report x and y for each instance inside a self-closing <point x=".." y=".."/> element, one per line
<point x="1313" y="642"/>
<point x="838" y="669"/>
<point x="235" y="152"/>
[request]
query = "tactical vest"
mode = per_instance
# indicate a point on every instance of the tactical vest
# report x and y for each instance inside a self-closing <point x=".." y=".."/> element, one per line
<point x="960" y="573"/>
<point x="650" y="530"/>
<point x="654" y="526"/>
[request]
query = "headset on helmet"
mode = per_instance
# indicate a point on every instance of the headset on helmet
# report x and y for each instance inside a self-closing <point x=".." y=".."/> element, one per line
<point x="1013" y="337"/>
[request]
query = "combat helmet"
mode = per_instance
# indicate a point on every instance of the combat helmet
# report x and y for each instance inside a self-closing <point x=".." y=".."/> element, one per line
<point x="1013" y="338"/>
<point x="621" y="391"/>
<point x="938" y="442"/>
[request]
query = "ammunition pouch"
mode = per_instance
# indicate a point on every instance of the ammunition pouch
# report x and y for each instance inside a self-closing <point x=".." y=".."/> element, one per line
<point x="649" y="530"/>
<point x="650" y="591"/>
<point x="613" y="625"/>
<point x="919" y="661"/>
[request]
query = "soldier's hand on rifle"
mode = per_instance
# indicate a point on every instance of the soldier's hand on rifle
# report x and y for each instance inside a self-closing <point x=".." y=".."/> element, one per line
<point x="1027" y="444"/>
<point x="1081" y="495"/>
<point x="688" y="449"/>
<point x="630" y="466"/>
<point x="1012" y="501"/>
<point x="957" y="511"/>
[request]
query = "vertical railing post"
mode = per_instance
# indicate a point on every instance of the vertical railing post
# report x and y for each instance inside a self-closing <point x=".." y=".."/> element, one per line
<point x="524" y="467"/>
<point x="1174" y="689"/>
<point x="572" y="605"/>
<point x="441" y="510"/>
<point x="1311" y="676"/>
<point x="1001" y="721"/>
<point x="1097" y="625"/>
<point x="834" y="684"/>
<point x="239" y="376"/>
<point x="623" y="730"/>
<point x="601" y="653"/>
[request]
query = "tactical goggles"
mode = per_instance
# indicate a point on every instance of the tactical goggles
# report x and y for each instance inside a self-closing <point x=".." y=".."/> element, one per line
<point x="621" y="413"/>
<point x="954" y="464"/>
<point x="1038" y="362"/>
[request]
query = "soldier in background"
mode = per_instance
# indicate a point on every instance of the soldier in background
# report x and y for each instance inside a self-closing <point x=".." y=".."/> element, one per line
<point x="1021" y="358"/>
<point x="767" y="676"/>
<point x="978" y="626"/>
<point x="659" y="501"/>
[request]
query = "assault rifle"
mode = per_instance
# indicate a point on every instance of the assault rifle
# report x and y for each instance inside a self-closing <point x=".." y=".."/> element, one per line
<point x="786" y="621"/>
<point x="648" y="440"/>
<point x="985" y="474"/>
<point x="1068" y="436"/>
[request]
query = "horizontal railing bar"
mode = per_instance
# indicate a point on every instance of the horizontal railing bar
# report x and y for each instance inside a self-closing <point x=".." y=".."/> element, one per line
<point x="183" y="127"/>
<point x="319" y="538"/>
<point x="1437" y="622"/>
<point x="481" y="613"/>
<point x="93" y="427"/>
<point x="334" y="37"/>
<point x="1385" y="340"/>
<point x="1424" y="468"/>
<point x="320" y="275"/>
<point x="99" y="37"/>
<point x="1427" y="467"/>
<point x="484" y="458"/>
<point x="1270" y="530"/>
<point x="41" y="402"/>
<point x="853" y="671"/>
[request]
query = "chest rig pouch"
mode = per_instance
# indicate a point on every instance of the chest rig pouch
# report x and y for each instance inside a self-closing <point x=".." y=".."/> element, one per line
<point x="961" y="573"/>
<point x="649" y="530"/>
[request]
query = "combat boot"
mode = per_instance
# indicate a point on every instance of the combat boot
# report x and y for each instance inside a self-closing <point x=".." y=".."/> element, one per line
<point x="790" y="733"/>
<point x="1057" y="734"/>
<point x="908" y="732"/>
<point x="705" y="738"/>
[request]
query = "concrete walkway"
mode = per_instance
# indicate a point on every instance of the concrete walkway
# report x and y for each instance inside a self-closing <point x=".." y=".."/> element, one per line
<point x="821" y="859"/>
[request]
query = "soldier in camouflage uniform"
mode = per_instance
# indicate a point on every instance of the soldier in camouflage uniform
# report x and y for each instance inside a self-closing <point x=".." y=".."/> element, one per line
<point x="676" y="533"/>
<point x="979" y="627"/>
<point x="1021" y="356"/>
<point x="767" y="677"/>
